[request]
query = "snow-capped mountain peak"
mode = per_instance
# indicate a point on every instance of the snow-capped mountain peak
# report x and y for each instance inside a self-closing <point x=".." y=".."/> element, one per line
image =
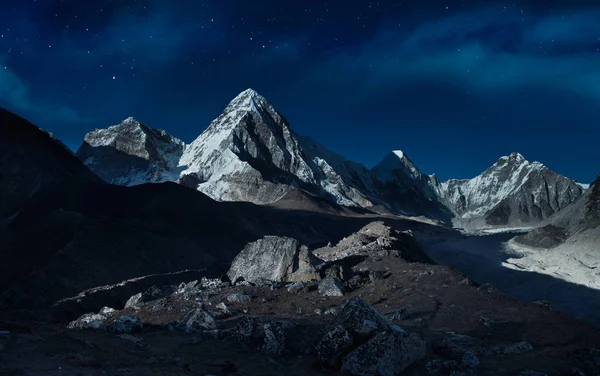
<point x="393" y="163"/>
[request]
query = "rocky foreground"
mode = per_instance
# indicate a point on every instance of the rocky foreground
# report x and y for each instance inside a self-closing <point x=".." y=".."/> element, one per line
<point x="372" y="304"/>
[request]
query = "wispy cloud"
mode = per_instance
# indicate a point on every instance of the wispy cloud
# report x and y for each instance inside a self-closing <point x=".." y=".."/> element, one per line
<point x="16" y="96"/>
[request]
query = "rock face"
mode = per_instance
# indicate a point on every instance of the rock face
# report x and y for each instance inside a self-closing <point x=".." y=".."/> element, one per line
<point x="274" y="258"/>
<point x="566" y="244"/>
<point x="406" y="190"/>
<point x="361" y="341"/>
<point x="131" y="153"/>
<point x="513" y="192"/>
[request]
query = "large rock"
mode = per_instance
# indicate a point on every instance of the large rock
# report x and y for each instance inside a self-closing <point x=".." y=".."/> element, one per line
<point x="89" y="321"/>
<point x="387" y="354"/>
<point x="274" y="258"/>
<point x="355" y="325"/>
<point x="200" y="320"/>
<point x="331" y="287"/>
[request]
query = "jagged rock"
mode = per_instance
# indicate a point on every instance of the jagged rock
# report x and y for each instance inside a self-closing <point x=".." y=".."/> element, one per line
<point x="387" y="354"/>
<point x="245" y="329"/>
<point x="222" y="311"/>
<point x="274" y="338"/>
<point x="268" y="337"/>
<point x="376" y="240"/>
<point x="126" y="324"/>
<point x="331" y="287"/>
<point x="107" y="311"/>
<point x="200" y="320"/>
<point x="274" y="258"/>
<point x="153" y="293"/>
<point x="398" y="314"/>
<point x="89" y="321"/>
<point x="134" y="302"/>
<point x="361" y="321"/>
<point x="238" y="298"/>
<point x="336" y="343"/>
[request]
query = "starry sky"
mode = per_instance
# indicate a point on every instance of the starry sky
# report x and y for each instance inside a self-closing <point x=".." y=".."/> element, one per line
<point x="455" y="84"/>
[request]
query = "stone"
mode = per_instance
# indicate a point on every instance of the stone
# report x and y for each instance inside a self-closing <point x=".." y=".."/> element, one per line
<point x="89" y="321"/>
<point x="318" y="311"/>
<point x="199" y="320"/>
<point x="331" y="287"/>
<point x="361" y="321"/>
<point x="297" y="287"/>
<point x="532" y="373"/>
<point x="274" y="258"/>
<point x="134" y="302"/>
<point x="335" y="344"/>
<point x="238" y="298"/>
<point x="126" y="324"/>
<point x="387" y="354"/>
<point x="107" y="311"/>
<point x="274" y="339"/>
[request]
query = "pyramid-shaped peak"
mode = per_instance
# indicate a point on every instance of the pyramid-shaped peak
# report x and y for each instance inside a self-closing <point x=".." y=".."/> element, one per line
<point x="399" y="153"/>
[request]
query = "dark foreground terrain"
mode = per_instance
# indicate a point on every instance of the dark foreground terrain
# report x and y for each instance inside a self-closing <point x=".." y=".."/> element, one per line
<point x="506" y="336"/>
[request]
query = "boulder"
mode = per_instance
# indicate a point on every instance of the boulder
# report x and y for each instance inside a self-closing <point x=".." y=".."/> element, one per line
<point x="331" y="287"/>
<point x="274" y="339"/>
<point x="153" y="293"/>
<point x="126" y="324"/>
<point x="274" y="258"/>
<point x="89" y="321"/>
<point x="361" y="322"/>
<point x="336" y="343"/>
<point x="199" y="320"/>
<point x="387" y="354"/>
<point x="268" y="337"/>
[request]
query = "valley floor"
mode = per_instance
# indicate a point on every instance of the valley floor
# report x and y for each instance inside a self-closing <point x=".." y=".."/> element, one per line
<point x="553" y="276"/>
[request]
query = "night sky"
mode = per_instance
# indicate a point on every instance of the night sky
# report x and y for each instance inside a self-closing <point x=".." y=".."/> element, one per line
<point x="455" y="84"/>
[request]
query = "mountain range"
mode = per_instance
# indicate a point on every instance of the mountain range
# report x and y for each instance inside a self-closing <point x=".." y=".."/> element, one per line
<point x="250" y="153"/>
